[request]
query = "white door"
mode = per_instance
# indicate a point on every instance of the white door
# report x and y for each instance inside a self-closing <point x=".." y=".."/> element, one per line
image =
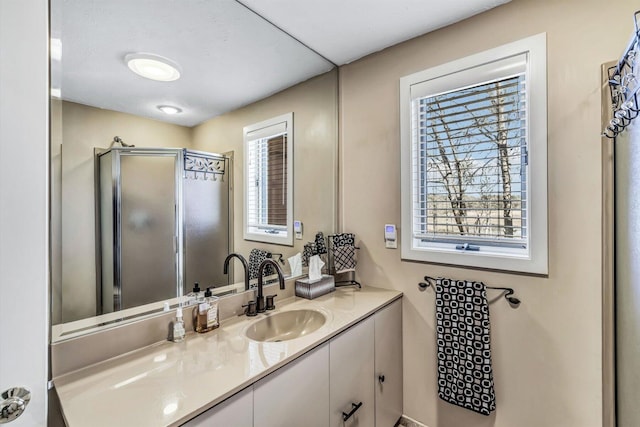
<point x="24" y="166"/>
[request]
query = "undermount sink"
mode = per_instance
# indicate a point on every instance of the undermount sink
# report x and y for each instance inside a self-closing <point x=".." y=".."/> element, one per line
<point x="285" y="325"/>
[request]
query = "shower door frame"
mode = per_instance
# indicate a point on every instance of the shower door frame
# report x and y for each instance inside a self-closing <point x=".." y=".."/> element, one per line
<point x="117" y="200"/>
<point x="608" y="260"/>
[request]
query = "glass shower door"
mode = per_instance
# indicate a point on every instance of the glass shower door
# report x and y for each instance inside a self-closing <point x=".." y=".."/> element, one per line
<point x="140" y="227"/>
<point x="148" y="227"/>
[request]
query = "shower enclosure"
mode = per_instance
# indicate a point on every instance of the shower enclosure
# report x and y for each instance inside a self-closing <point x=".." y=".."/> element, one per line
<point x="621" y="234"/>
<point x="163" y="221"/>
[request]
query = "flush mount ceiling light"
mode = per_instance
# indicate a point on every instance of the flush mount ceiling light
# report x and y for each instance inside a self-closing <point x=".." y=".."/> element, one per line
<point x="153" y="67"/>
<point x="169" y="109"/>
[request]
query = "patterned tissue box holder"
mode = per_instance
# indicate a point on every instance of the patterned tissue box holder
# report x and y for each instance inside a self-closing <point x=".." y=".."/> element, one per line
<point x="310" y="290"/>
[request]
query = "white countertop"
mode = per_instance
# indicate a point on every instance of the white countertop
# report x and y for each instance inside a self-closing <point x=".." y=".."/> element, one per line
<point x="167" y="384"/>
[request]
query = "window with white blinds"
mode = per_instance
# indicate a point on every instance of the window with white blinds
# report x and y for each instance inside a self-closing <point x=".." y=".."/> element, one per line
<point x="474" y="148"/>
<point x="267" y="192"/>
<point x="268" y="163"/>
<point x="470" y="162"/>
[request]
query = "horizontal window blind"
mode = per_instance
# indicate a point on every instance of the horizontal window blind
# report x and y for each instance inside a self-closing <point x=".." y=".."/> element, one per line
<point x="469" y="164"/>
<point x="277" y="181"/>
<point x="267" y="178"/>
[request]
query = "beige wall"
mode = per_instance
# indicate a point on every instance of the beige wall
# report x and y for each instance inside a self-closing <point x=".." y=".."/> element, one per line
<point x="547" y="353"/>
<point x="84" y="128"/>
<point x="314" y="107"/>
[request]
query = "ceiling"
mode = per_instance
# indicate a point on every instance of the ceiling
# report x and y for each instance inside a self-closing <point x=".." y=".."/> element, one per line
<point x="228" y="54"/>
<point x="346" y="30"/>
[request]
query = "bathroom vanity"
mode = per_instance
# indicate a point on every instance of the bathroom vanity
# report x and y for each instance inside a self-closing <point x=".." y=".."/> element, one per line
<point x="349" y="367"/>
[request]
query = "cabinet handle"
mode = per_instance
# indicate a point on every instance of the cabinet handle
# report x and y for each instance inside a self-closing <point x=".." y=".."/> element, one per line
<point x="355" y="407"/>
<point x="381" y="378"/>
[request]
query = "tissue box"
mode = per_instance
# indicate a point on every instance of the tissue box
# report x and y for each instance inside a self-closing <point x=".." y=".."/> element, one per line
<point x="310" y="290"/>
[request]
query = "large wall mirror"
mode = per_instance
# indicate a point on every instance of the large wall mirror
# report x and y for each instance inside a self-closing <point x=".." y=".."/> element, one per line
<point x="148" y="173"/>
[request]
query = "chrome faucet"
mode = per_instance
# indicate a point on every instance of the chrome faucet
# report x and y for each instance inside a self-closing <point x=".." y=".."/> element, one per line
<point x="260" y="299"/>
<point x="244" y="265"/>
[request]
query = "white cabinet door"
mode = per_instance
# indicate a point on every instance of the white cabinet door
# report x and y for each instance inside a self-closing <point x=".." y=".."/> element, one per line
<point x="352" y="376"/>
<point x="388" y="361"/>
<point x="296" y="395"/>
<point x="236" y="411"/>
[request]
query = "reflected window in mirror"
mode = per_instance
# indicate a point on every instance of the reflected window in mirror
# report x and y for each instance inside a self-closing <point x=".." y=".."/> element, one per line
<point x="268" y="202"/>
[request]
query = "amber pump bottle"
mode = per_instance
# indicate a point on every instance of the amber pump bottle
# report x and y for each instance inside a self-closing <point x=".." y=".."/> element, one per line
<point x="206" y="313"/>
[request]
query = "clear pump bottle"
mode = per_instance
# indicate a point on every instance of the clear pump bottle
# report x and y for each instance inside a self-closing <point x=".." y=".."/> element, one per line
<point x="194" y="295"/>
<point x="178" y="331"/>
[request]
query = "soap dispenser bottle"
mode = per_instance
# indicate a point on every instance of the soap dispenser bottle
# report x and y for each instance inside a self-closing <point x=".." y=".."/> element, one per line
<point x="206" y="310"/>
<point x="200" y="313"/>
<point x="212" y="314"/>
<point x="178" y="331"/>
<point x="194" y="295"/>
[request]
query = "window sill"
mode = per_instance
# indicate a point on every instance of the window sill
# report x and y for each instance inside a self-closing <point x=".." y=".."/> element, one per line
<point x="517" y="261"/>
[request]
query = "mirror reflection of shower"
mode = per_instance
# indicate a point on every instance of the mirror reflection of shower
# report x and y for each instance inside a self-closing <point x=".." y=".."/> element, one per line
<point x="163" y="222"/>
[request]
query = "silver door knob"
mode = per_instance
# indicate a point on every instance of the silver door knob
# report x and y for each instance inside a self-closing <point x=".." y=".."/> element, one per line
<point x="14" y="402"/>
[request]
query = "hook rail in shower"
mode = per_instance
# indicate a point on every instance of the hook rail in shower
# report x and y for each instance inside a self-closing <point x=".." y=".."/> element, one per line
<point x="209" y="165"/>
<point x="508" y="292"/>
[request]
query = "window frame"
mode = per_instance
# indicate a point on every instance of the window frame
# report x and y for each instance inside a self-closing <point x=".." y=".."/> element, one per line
<point x="280" y="237"/>
<point x="456" y="75"/>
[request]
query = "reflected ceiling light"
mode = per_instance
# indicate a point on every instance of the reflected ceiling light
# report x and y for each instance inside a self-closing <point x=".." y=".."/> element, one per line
<point x="170" y="408"/>
<point x="153" y="67"/>
<point x="169" y="109"/>
<point x="56" y="92"/>
<point x="160" y="358"/>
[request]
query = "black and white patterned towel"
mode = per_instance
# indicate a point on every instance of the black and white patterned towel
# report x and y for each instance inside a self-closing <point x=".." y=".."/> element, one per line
<point x="308" y="251"/>
<point x="317" y="247"/>
<point x="321" y="246"/>
<point x="343" y="239"/>
<point x="256" y="256"/>
<point x="465" y="375"/>
<point x="344" y="258"/>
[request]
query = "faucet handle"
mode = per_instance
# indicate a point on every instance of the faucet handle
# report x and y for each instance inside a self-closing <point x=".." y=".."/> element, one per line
<point x="270" y="304"/>
<point x="251" y="308"/>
